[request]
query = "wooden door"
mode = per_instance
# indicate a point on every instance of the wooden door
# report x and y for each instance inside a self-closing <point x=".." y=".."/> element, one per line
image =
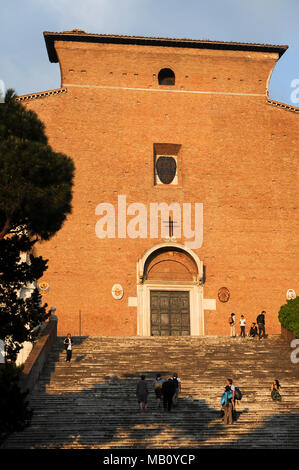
<point x="170" y="313"/>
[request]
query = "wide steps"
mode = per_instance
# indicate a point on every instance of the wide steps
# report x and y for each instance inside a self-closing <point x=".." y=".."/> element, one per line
<point x="91" y="402"/>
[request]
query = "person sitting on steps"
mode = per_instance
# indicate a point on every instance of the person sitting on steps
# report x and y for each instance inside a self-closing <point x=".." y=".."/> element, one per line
<point x="253" y="330"/>
<point x="275" y="389"/>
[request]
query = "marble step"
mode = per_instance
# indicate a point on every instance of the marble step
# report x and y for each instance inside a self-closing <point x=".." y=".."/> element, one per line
<point x="91" y="401"/>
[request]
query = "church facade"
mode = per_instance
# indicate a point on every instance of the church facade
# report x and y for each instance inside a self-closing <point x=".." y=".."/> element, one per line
<point x="185" y="195"/>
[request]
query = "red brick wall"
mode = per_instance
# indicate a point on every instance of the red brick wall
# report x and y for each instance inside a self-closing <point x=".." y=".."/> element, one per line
<point x="237" y="157"/>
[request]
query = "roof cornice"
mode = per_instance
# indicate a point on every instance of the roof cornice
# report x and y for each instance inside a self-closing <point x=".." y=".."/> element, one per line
<point x="81" y="36"/>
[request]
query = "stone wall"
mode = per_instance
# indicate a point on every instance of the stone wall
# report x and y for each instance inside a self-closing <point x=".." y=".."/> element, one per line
<point x="287" y="335"/>
<point x="38" y="356"/>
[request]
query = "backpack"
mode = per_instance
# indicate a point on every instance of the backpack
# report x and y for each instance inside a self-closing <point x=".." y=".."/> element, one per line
<point x="175" y="383"/>
<point x="238" y="394"/>
<point x="226" y="397"/>
<point x="158" y="385"/>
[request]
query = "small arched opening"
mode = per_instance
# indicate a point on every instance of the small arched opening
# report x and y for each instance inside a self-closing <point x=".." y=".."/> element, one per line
<point x="166" y="77"/>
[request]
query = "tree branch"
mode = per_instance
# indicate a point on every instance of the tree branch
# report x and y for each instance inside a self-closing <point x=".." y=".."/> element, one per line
<point x="5" y="228"/>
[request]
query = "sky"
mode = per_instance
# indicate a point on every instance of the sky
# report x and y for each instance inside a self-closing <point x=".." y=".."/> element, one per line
<point x="24" y="63"/>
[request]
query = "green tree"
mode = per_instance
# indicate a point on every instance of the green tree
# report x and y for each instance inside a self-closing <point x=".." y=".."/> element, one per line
<point x="35" y="182"/>
<point x="35" y="198"/>
<point x="20" y="315"/>
<point x="289" y="316"/>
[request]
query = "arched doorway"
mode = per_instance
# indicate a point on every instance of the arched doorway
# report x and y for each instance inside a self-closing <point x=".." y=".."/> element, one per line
<point x="169" y="292"/>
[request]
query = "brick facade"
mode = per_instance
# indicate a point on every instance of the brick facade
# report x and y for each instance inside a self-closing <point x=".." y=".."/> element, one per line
<point x="237" y="156"/>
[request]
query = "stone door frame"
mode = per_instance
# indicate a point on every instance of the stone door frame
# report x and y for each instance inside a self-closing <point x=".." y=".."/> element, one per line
<point x="194" y="288"/>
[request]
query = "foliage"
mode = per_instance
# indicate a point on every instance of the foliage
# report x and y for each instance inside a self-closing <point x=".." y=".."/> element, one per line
<point x="19" y="316"/>
<point x="35" y="198"/>
<point x="14" y="411"/>
<point x="289" y="316"/>
<point x="35" y="182"/>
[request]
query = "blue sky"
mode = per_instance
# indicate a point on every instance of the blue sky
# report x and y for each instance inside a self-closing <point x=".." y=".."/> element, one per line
<point x="24" y="63"/>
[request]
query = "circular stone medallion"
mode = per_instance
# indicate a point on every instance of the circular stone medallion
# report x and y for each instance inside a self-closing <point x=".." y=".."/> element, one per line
<point x="117" y="291"/>
<point x="291" y="294"/>
<point x="223" y="294"/>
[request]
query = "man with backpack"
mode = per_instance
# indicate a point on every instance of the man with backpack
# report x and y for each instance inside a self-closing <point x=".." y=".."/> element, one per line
<point x="229" y="383"/>
<point x="227" y="405"/>
<point x="168" y="392"/>
<point x="157" y="383"/>
<point x="236" y="395"/>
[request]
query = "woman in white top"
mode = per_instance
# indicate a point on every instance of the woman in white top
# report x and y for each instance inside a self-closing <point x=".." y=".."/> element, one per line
<point x="242" y="324"/>
<point x="68" y="344"/>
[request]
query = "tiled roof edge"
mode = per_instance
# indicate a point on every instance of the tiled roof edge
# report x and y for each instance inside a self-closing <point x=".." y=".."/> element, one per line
<point x="285" y="106"/>
<point x="41" y="94"/>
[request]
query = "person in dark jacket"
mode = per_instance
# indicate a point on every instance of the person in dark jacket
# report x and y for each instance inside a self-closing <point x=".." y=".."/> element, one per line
<point x="158" y="383"/>
<point x="261" y="324"/>
<point x="142" y="393"/>
<point x="168" y="390"/>
<point x="253" y="330"/>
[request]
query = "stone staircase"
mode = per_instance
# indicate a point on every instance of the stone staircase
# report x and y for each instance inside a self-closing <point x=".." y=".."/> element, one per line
<point x="90" y="403"/>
